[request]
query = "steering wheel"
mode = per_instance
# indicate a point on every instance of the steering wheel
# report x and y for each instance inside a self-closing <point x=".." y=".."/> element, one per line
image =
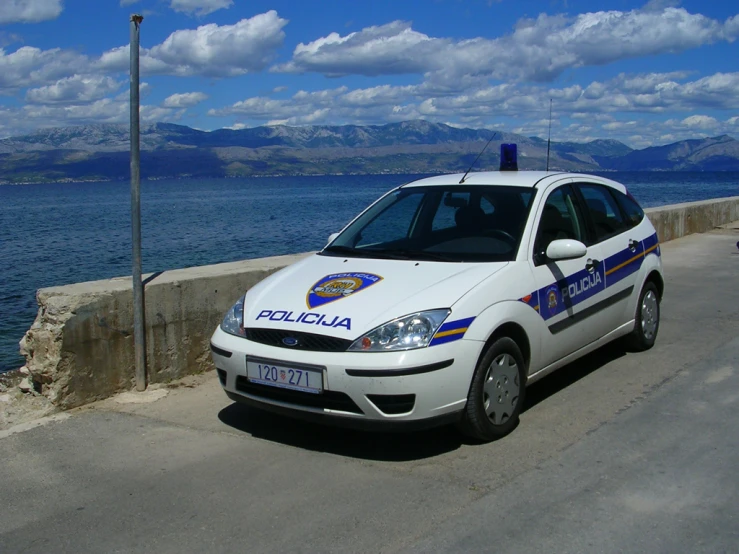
<point x="499" y="233"/>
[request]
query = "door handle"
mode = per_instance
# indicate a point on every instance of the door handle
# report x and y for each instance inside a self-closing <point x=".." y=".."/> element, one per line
<point x="633" y="245"/>
<point x="591" y="265"/>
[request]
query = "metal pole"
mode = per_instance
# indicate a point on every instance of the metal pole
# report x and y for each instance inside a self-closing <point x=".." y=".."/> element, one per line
<point x="138" y="286"/>
<point x="549" y="136"/>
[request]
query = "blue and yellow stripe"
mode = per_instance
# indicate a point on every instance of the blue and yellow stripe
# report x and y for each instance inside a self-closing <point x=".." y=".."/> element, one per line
<point x="612" y="270"/>
<point x="451" y="331"/>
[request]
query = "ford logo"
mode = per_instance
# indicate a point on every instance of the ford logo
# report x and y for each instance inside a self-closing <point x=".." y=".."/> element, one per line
<point x="290" y="341"/>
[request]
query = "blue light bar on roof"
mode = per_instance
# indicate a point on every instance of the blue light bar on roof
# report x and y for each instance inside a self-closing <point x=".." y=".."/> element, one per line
<point x="508" y="157"/>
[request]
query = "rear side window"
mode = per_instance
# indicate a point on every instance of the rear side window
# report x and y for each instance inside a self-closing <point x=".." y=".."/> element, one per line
<point x="634" y="213"/>
<point x="603" y="211"/>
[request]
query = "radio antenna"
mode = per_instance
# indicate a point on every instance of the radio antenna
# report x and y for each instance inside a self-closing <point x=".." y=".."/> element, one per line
<point x="477" y="158"/>
<point x="549" y="138"/>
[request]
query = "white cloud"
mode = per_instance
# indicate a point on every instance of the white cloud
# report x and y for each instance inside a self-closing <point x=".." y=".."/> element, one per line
<point x="595" y="106"/>
<point x="700" y="122"/>
<point x="29" y="11"/>
<point x="200" y="7"/>
<point x="620" y="125"/>
<point x="381" y="50"/>
<point x="731" y="28"/>
<point x="153" y="114"/>
<point x="184" y="100"/>
<point x="29" y="66"/>
<point x="129" y="2"/>
<point x="263" y="108"/>
<point x="458" y="86"/>
<point x="210" y="50"/>
<point x="72" y="90"/>
<point x="377" y="96"/>
<point x="539" y="49"/>
<point x="106" y="110"/>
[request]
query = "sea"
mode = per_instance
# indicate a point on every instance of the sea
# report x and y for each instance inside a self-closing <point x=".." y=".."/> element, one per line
<point x="56" y="234"/>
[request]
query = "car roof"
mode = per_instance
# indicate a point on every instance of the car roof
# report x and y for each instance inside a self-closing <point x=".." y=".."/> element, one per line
<point x="507" y="178"/>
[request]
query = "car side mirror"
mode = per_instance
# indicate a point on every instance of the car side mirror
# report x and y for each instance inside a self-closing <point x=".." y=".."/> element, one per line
<point x="566" y="249"/>
<point x="332" y="237"/>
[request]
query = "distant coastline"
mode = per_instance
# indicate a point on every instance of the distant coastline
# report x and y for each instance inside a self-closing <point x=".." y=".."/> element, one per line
<point x="99" y="153"/>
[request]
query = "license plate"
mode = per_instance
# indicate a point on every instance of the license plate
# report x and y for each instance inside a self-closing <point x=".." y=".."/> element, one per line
<point x="284" y="377"/>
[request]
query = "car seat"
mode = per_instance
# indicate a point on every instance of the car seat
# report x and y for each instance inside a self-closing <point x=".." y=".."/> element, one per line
<point x="599" y="216"/>
<point x="470" y="220"/>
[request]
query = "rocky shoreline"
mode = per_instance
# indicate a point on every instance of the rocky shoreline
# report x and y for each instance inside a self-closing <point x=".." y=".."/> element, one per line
<point x="19" y="401"/>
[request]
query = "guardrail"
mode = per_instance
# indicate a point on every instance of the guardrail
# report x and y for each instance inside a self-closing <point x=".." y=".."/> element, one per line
<point x="80" y="347"/>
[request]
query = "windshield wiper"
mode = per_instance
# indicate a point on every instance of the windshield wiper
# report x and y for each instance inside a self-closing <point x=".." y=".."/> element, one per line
<point x="366" y="253"/>
<point x="422" y="255"/>
<point x="395" y="254"/>
<point x="362" y="253"/>
<point x="344" y="250"/>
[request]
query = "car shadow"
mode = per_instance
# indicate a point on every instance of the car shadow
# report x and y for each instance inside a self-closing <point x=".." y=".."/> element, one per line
<point x="379" y="446"/>
<point x="402" y="446"/>
<point x="571" y="373"/>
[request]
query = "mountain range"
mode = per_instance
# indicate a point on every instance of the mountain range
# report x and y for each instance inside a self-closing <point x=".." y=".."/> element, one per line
<point x="101" y="152"/>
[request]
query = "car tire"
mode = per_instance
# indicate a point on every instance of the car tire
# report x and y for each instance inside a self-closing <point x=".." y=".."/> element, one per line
<point x="496" y="393"/>
<point x="647" y="319"/>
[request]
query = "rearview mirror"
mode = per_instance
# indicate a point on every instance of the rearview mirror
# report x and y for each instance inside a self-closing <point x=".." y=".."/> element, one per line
<point x="566" y="249"/>
<point x="332" y="237"/>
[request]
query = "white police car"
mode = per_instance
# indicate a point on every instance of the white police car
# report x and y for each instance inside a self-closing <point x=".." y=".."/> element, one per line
<point x="444" y="299"/>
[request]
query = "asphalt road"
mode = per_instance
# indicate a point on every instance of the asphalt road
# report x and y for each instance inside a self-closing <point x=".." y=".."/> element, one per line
<point x="617" y="452"/>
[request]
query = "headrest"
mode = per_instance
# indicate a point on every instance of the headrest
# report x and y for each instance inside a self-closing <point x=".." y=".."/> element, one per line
<point x="469" y="216"/>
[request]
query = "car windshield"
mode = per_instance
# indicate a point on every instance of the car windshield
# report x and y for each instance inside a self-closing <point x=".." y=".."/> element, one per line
<point x="453" y="223"/>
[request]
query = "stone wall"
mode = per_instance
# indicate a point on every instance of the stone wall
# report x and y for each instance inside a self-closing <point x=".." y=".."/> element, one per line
<point x="80" y="348"/>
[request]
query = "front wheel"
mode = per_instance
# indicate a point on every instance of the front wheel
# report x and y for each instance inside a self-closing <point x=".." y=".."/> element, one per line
<point x="496" y="393"/>
<point x="647" y="319"/>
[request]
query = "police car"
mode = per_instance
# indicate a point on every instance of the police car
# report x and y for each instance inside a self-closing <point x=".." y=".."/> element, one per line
<point x="444" y="299"/>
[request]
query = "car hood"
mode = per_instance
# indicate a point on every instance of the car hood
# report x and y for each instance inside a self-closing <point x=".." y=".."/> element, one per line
<point x="346" y="298"/>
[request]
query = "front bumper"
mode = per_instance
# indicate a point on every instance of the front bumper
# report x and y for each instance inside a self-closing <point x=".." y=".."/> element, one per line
<point x="411" y="389"/>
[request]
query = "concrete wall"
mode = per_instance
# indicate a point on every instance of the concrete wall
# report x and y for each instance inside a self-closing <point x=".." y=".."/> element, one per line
<point x="80" y="348"/>
<point x="678" y="220"/>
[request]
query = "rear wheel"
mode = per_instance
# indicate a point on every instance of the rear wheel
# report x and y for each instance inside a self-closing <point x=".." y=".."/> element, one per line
<point x="496" y="393"/>
<point x="647" y="319"/>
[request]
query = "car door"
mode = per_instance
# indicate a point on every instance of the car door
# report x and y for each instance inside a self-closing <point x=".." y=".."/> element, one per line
<point x="622" y="249"/>
<point x="567" y="290"/>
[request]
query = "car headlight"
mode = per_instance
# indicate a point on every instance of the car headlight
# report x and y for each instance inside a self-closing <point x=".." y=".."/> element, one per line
<point x="233" y="323"/>
<point x="405" y="333"/>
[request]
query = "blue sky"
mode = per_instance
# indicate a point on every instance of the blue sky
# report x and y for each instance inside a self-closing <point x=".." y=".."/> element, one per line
<point x="643" y="72"/>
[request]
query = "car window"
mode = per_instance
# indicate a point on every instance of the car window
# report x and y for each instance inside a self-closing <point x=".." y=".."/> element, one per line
<point x="451" y="203"/>
<point x="486" y="206"/>
<point x="396" y="223"/>
<point x="560" y="219"/>
<point x="603" y="211"/>
<point x="446" y="223"/>
<point x="634" y="213"/>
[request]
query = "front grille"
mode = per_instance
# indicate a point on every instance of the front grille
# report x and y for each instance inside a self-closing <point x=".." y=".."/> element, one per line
<point x="329" y="400"/>
<point x="305" y="341"/>
<point x="393" y="403"/>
